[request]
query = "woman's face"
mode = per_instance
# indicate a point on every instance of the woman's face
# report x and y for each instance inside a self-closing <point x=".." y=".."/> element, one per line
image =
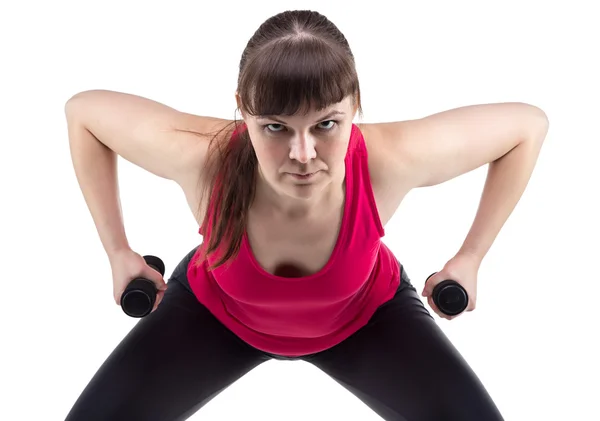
<point x="302" y="154"/>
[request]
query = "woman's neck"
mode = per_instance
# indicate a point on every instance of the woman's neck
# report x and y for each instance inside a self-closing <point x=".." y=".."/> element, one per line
<point x="269" y="201"/>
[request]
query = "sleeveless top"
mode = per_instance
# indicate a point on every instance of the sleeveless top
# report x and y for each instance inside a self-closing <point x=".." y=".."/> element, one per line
<point x="305" y="315"/>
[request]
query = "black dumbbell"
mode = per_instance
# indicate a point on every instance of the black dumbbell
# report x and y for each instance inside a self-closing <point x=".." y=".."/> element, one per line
<point x="140" y="295"/>
<point x="449" y="296"/>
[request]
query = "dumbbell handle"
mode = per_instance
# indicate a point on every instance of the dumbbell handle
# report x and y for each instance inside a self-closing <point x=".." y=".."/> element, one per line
<point x="140" y="294"/>
<point x="449" y="296"/>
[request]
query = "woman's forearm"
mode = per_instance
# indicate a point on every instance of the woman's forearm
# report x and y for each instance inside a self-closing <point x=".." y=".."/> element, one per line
<point x="95" y="167"/>
<point x="506" y="181"/>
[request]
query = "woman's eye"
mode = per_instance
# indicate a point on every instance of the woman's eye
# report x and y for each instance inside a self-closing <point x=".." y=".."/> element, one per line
<point x="276" y="128"/>
<point x="271" y="125"/>
<point x="329" y="121"/>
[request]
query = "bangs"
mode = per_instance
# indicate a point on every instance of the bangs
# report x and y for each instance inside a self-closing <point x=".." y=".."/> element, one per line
<point x="293" y="75"/>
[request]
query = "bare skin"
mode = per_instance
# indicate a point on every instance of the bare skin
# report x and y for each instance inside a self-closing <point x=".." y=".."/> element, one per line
<point x="282" y="221"/>
<point x="287" y="213"/>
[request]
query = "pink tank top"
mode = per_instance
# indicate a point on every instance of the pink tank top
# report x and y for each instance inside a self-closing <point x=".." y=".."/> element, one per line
<point x="299" y="316"/>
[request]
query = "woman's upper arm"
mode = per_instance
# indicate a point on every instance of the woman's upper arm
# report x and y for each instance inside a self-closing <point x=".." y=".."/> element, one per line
<point x="166" y="142"/>
<point x="441" y="146"/>
<point x="404" y="155"/>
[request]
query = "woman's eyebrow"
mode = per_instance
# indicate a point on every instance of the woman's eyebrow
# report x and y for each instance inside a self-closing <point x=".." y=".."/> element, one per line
<point x="325" y="117"/>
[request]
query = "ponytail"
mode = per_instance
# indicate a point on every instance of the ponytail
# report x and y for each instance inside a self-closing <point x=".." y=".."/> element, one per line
<point x="231" y="174"/>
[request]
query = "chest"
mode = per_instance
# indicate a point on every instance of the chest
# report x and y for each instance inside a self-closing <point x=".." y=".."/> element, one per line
<point x="293" y="249"/>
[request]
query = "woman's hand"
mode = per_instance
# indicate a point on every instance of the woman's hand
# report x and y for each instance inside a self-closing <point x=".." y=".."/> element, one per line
<point x="462" y="268"/>
<point x="127" y="265"/>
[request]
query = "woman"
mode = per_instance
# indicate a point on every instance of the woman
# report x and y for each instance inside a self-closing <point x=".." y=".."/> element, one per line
<point x="292" y="202"/>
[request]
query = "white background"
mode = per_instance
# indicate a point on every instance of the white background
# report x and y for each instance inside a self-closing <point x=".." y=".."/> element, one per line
<point x="531" y="339"/>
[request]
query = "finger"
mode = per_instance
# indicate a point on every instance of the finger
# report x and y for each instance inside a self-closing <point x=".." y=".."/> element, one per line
<point x="159" y="298"/>
<point x="160" y="283"/>
<point x="117" y="297"/>
<point x="429" y="285"/>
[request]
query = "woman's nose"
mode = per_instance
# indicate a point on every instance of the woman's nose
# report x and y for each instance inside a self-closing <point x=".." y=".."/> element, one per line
<point x="303" y="149"/>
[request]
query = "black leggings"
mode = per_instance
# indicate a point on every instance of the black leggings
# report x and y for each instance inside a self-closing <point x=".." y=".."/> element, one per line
<point x="179" y="357"/>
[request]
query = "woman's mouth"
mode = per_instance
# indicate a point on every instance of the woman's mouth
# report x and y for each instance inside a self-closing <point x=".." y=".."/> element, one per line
<point x="305" y="176"/>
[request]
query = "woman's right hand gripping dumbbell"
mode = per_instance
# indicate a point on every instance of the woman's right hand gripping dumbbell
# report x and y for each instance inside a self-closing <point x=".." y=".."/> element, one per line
<point x="127" y="265"/>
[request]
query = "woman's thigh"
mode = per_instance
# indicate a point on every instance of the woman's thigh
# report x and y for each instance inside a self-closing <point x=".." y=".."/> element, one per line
<point x="404" y="367"/>
<point x="169" y="365"/>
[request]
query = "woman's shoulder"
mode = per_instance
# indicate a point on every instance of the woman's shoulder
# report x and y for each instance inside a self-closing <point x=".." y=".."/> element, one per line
<point x="385" y="169"/>
<point x="205" y="130"/>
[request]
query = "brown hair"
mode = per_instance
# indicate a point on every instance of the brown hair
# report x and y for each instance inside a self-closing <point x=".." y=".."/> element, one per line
<point x="294" y="61"/>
